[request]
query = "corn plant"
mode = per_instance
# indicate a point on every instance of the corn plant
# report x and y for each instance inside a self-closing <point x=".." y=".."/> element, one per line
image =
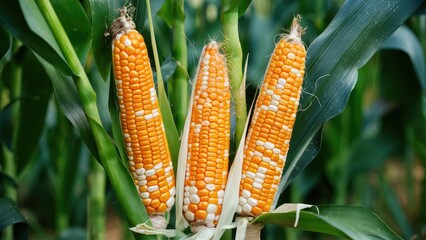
<point x="84" y="72"/>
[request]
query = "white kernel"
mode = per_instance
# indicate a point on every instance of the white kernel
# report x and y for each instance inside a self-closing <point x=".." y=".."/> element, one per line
<point x="148" y="117"/>
<point x="186" y="194"/>
<point x="266" y="159"/>
<point x="141" y="177"/>
<point x="253" y="202"/>
<point x="276" y="97"/>
<point x="152" y="188"/>
<point x="285" y="127"/>
<point x="126" y="135"/>
<point x="279" y="86"/>
<point x="291" y="55"/>
<point x="276" y="151"/>
<point x="194" y="198"/>
<point x="259" y="181"/>
<point x="282" y="81"/>
<point x="250" y="174"/>
<point x="257" y="185"/>
<point x="260" y="176"/>
<point x="130" y="158"/>
<point x="205" y="123"/>
<point x="185" y="208"/>
<point x="150" y="172"/>
<point x="269" y="145"/>
<point x="273" y="163"/>
<point x="127" y="42"/>
<point x="295" y="71"/>
<point x="273" y="108"/>
<point x="186" y="201"/>
<point x="275" y="102"/>
<point x="239" y="209"/>
<point x="118" y="81"/>
<point x="247" y="208"/>
<point x="293" y="99"/>
<point x="144" y="195"/>
<point x="211" y="208"/>
<point x="167" y="169"/>
<point x="158" y="166"/>
<point x="220" y="201"/>
<point x="118" y="36"/>
<point x="242" y="201"/>
<point x="140" y="171"/>
<point x="172" y="191"/>
<point x="210" y="218"/>
<point x="142" y="183"/>
<point x="259" y="143"/>
<point x="257" y="153"/>
<point x="169" y="179"/>
<point x="246" y="193"/>
<point x="131" y="163"/>
<point x="262" y="169"/>
<point x="193" y="190"/>
<point x="210" y="187"/>
<point x="264" y="107"/>
<point x="269" y="92"/>
<point x="189" y="216"/>
<point x="220" y="193"/>
<point x="205" y="78"/>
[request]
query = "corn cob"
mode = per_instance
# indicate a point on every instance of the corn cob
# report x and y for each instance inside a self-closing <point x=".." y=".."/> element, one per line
<point x="270" y="131"/>
<point x="141" y="120"/>
<point x="208" y="141"/>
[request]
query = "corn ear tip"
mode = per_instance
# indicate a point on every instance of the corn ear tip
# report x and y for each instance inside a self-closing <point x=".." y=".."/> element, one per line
<point x="122" y="23"/>
<point x="296" y="30"/>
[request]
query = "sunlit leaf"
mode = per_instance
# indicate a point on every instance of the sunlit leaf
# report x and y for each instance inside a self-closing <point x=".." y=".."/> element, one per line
<point x="42" y="41"/>
<point x="350" y="222"/>
<point x="333" y="59"/>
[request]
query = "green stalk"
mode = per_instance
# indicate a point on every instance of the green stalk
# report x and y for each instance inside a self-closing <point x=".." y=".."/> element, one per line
<point x="178" y="84"/>
<point x="235" y="64"/>
<point x="96" y="202"/>
<point x="119" y="177"/>
<point x="61" y="208"/>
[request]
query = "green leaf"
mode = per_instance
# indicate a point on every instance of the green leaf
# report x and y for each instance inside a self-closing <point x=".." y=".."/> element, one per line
<point x="103" y="14"/>
<point x="167" y="69"/>
<point x="405" y="40"/>
<point x="4" y="42"/>
<point x="333" y="59"/>
<point x="344" y="221"/>
<point x="39" y="39"/>
<point x="11" y="215"/>
<point x="35" y="94"/>
<point x="67" y="98"/>
<point x="76" y="24"/>
<point x="235" y="5"/>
